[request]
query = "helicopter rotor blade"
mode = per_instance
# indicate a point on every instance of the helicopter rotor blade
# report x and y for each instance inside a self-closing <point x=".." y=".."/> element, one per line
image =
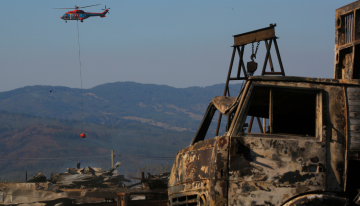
<point x="90" y="5"/>
<point x="106" y="9"/>
<point x="63" y="8"/>
<point x="76" y="7"/>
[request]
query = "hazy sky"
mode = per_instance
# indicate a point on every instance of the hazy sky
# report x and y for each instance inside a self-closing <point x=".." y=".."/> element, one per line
<point x="180" y="43"/>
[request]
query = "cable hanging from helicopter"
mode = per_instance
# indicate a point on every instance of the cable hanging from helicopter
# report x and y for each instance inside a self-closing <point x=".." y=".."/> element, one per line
<point x="82" y="135"/>
<point x="81" y="15"/>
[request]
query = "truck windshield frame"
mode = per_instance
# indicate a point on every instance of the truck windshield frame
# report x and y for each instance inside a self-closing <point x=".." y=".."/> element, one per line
<point x="209" y="115"/>
<point x="286" y="112"/>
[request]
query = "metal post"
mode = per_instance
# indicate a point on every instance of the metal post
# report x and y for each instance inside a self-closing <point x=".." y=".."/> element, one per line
<point x="271" y="112"/>
<point x="270" y="60"/>
<point x="112" y="158"/>
<point x="278" y="56"/>
<point x="226" y="88"/>
<point x="241" y="62"/>
<point x="266" y="57"/>
<point x="250" y="125"/>
<point x="264" y="125"/>
<point x="259" y="123"/>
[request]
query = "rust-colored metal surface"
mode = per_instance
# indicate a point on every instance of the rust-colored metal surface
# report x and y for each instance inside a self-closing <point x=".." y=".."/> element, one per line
<point x="353" y="98"/>
<point x="318" y="199"/>
<point x="274" y="170"/>
<point x="307" y="144"/>
<point x="245" y="167"/>
<point x="347" y="39"/>
<point x="80" y="187"/>
<point x="159" y="198"/>
<point x="254" y="36"/>
<point x="240" y="41"/>
<point x="201" y="168"/>
<point x="275" y="167"/>
<point x="36" y="194"/>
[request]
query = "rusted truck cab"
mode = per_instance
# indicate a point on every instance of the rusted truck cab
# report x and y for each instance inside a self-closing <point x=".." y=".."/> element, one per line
<point x="306" y="148"/>
<point x="303" y="154"/>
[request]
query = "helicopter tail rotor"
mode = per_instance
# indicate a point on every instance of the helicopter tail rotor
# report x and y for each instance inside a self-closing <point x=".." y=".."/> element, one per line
<point x="107" y="9"/>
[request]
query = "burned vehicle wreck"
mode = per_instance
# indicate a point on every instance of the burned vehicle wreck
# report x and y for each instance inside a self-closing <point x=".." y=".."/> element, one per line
<point x="305" y="150"/>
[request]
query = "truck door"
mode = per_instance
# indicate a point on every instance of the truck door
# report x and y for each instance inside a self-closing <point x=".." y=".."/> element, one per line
<point x="277" y="147"/>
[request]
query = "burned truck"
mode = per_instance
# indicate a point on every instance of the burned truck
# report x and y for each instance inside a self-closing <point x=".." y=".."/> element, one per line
<point x="306" y="148"/>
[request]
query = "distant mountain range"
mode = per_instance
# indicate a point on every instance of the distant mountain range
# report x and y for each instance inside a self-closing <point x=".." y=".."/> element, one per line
<point x="133" y="119"/>
<point x="178" y="109"/>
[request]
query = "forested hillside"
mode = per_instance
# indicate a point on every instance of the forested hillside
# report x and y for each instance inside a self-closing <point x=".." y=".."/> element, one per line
<point x="167" y="107"/>
<point x="39" y="129"/>
<point x="39" y="144"/>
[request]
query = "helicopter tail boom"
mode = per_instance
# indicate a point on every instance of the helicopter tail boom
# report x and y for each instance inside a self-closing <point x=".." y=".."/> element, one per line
<point x="104" y="13"/>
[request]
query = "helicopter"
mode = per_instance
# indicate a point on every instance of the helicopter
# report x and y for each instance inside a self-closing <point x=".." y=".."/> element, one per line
<point x="80" y="14"/>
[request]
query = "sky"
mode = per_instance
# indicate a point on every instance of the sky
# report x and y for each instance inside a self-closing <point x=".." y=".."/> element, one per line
<point x="168" y="42"/>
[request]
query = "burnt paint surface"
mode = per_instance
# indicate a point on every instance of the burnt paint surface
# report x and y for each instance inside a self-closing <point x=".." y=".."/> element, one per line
<point x="336" y="138"/>
<point x="353" y="98"/>
<point x="192" y="163"/>
<point x="270" y="171"/>
<point x="318" y="199"/>
<point x="346" y="58"/>
<point x="190" y="174"/>
<point x="201" y="169"/>
<point x="256" y="170"/>
<point x="219" y="172"/>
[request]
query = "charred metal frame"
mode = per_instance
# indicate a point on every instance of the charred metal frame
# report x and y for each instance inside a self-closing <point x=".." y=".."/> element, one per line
<point x="347" y="42"/>
<point x="160" y="198"/>
<point x="316" y="163"/>
<point x="282" y="167"/>
<point x="240" y="41"/>
<point x="273" y="86"/>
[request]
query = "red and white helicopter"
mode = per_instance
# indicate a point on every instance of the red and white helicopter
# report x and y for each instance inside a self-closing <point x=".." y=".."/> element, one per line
<point x="80" y="14"/>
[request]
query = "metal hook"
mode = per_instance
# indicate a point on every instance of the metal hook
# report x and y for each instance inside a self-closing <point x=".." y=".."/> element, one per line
<point x="252" y="57"/>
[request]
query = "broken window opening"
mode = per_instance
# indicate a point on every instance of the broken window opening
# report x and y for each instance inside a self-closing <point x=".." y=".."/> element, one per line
<point x="258" y="111"/>
<point x="227" y="106"/>
<point x="348" y="20"/>
<point x="256" y="125"/>
<point x="345" y="28"/>
<point x="283" y="111"/>
<point x="229" y="120"/>
<point x="212" y="127"/>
